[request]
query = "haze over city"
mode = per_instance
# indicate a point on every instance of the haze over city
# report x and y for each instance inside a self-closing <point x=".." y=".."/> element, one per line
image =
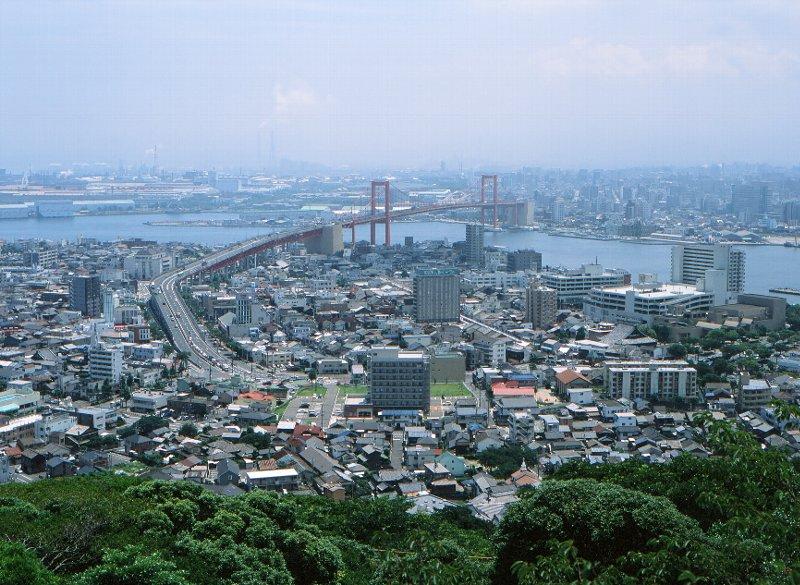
<point x="584" y="84"/>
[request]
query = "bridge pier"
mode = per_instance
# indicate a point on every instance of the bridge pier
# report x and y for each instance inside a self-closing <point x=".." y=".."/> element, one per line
<point x="373" y="207"/>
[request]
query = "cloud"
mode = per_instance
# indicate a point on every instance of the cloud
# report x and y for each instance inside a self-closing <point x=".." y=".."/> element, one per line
<point x="582" y="57"/>
<point x="291" y="100"/>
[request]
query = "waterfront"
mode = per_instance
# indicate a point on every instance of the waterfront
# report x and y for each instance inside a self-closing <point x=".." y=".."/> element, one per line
<point x="767" y="266"/>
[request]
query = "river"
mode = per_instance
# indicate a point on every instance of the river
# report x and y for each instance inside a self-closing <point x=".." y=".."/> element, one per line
<point x="766" y="267"/>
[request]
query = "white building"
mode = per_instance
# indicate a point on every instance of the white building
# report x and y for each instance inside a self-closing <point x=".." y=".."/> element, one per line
<point x="691" y="262"/>
<point x="105" y="363"/>
<point x="642" y="303"/>
<point x="572" y="286"/>
<point x="651" y="380"/>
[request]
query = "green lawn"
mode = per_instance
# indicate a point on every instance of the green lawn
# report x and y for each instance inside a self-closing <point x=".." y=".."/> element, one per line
<point x="449" y="390"/>
<point x="307" y="391"/>
<point x="358" y="390"/>
<point x="279" y="410"/>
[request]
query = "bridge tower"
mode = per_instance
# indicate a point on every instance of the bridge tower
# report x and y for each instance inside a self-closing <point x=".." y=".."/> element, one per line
<point x="375" y="185"/>
<point x="484" y="180"/>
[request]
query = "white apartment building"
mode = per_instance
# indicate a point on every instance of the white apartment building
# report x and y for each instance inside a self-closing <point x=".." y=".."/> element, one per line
<point x="105" y="362"/>
<point x="500" y="280"/>
<point x="641" y="303"/>
<point x="573" y="286"/>
<point x="692" y="262"/>
<point x="651" y="380"/>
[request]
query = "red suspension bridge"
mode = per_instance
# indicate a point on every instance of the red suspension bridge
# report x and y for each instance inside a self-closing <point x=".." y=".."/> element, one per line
<point x="387" y="203"/>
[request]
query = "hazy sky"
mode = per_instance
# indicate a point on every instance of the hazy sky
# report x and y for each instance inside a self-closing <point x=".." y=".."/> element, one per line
<point x="573" y="83"/>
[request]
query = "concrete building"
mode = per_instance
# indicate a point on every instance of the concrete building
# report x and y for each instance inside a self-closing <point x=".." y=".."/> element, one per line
<point x="329" y="242"/>
<point x="524" y="260"/>
<point x="573" y="286"/>
<point x="651" y="380"/>
<point x="399" y="379"/>
<point x="753" y="310"/>
<point x="474" y="247"/>
<point x="541" y="306"/>
<point x="749" y="201"/>
<point x="18" y="398"/>
<point x="694" y="262"/>
<point x="436" y="295"/>
<point x="109" y="304"/>
<point x="105" y="363"/>
<point x="752" y="394"/>
<point x="144" y="266"/>
<point x="644" y="302"/>
<point x="85" y="295"/>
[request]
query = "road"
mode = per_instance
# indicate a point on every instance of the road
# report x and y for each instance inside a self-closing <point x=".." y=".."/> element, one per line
<point x="186" y="334"/>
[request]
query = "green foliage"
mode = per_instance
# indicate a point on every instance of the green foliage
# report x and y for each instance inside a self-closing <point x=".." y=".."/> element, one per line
<point x="20" y="566"/>
<point x="732" y="518"/>
<point x="148" y="424"/>
<point x="503" y="461"/>
<point x="188" y="430"/>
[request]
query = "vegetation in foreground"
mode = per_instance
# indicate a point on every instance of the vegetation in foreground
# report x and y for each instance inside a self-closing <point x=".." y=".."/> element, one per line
<point x="732" y="518"/>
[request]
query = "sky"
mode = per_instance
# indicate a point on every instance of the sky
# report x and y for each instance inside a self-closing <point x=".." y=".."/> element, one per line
<point x="571" y="84"/>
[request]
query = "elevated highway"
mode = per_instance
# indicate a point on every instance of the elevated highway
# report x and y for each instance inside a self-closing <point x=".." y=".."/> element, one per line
<point x="191" y="338"/>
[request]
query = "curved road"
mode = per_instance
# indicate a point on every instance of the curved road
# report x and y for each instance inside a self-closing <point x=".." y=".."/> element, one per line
<point x="186" y="334"/>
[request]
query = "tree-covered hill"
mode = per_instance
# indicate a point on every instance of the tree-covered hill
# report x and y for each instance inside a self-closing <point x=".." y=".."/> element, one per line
<point x="732" y="518"/>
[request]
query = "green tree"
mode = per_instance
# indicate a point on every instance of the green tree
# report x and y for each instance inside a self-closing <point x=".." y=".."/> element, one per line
<point x="132" y="565"/>
<point x="677" y="350"/>
<point x="19" y="566"/>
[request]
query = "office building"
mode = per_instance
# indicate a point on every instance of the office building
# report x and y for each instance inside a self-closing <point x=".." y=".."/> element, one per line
<point x="749" y="201"/>
<point x="244" y="309"/>
<point x="662" y="381"/>
<point x="399" y="379"/>
<point x="573" y="286"/>
<point x="642" y="303"/>
<point x="105" y="363"/>
<point x="109" y="304"/>
<point x="541" y="306"/>
<point x="143" y="266"/>
<point x="85" y="295"/>
<point x="524" y="260"/>
<point x="436" y="295"/>
<point x="474" y="247"/>
<point x="692" y="262"/>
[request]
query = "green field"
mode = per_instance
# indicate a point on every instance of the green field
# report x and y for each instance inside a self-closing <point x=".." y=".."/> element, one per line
<point x="358" y="390"/>
<point x="449" y="390"/>
<point x="279" y="410"/>
<point x="308" y="391"/>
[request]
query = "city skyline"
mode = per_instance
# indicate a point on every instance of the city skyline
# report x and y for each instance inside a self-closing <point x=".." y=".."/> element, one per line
<point x="591" y="84"/>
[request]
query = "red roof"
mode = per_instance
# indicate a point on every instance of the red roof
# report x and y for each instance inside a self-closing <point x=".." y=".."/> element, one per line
<point x="511" y="388"/>
<point x="569" y="376"/>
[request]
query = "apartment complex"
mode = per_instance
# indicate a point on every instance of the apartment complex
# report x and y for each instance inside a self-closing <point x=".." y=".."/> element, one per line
<point x="85" y="295"/>
<point x="651" y="380"/>
<point x="524" y="260"/>
<point x="474" y="246"/>
<point x="693" y="262"/>
<point x="399" y="379"/>
<point x="436" y="295"/>
<point x="572" y="286"/>
<point x="105" y="363"/>
<point x="541" y="306"/>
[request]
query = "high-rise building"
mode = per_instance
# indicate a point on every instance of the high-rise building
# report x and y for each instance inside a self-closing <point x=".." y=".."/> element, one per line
<point x="399" y="379"/>
<point x="85" y="295"/>
<point x="691" y="262"/>
<point x="109" y="304"/>
<point x="474" y="248"/>
<point x="749" y="201"/>
<point x="244" y="309"/>
<point x="524" y="260"/>
<point x="105" y="362"/>
<point x="436" y="295"/>
<point x="541" y="306"/>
